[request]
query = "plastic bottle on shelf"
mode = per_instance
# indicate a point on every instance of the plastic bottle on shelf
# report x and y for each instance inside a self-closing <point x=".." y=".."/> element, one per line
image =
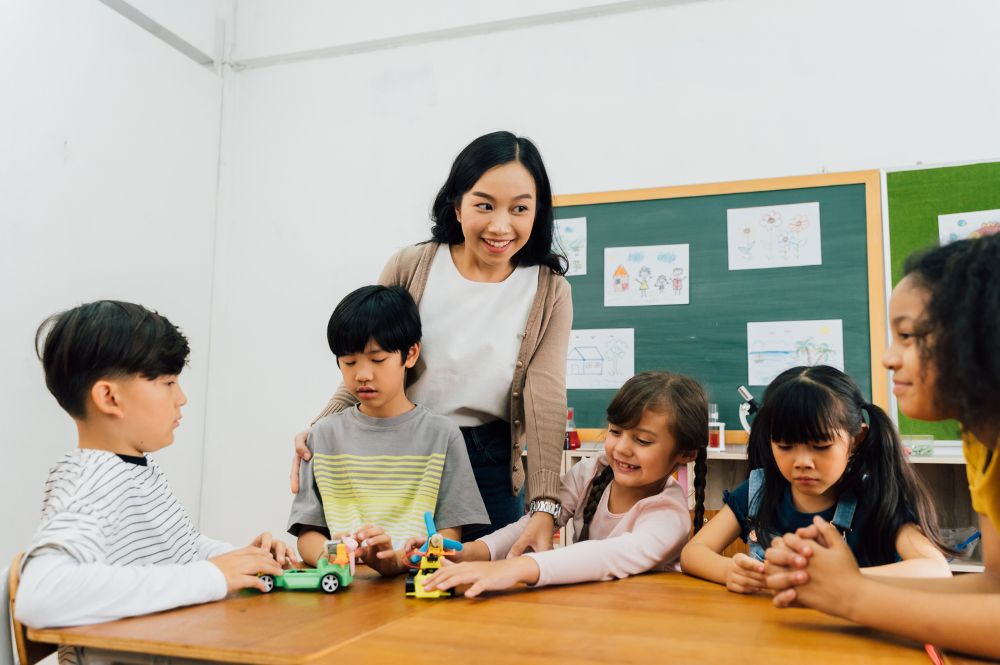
<point x="572" y="436"/>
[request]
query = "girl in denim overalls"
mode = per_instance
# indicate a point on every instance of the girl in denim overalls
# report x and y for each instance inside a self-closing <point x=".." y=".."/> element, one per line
<point x="817" y="447"/>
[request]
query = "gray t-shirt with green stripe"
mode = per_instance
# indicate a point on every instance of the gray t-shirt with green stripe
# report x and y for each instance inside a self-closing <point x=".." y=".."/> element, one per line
<point x="386" y="472"/>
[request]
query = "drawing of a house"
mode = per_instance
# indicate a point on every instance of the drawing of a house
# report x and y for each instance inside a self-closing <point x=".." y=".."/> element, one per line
<point x="620" y="279"/>
<point x="584" y="360"/>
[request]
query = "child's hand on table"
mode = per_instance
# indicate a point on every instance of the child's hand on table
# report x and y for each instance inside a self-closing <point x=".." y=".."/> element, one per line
<point x="745" y="575"/>
<point x="484" y="575"/>
<point x="375" y="550"/>
<point x="240" y="567"/>
<point x="283" y="553"/>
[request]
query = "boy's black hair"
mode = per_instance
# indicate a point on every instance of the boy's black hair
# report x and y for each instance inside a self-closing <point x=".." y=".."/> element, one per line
<point x="805" y="405"/>
<point x="105" y="339"/>
<point x="386" y="314"/>
<point x="484" y="153"/>
<point x="960" y="328"/>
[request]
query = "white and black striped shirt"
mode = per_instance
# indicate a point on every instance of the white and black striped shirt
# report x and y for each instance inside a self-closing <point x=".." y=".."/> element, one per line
<point x="114" y="542"/>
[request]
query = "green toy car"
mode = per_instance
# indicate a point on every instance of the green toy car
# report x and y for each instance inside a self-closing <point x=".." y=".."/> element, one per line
<point x="333" y="571"/>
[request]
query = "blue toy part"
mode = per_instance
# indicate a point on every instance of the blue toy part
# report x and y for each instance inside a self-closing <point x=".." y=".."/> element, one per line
<point x="431" y="530"/>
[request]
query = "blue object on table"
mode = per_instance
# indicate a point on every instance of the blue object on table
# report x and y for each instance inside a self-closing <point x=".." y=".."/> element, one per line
<point x="431" y="530"/>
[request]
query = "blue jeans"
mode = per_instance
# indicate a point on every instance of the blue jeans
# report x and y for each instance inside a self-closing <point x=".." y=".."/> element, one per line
<point x="489" y="453"/>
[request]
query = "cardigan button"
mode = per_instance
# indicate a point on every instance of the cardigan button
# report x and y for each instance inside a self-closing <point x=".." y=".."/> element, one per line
<point x="520" y="363"/>
<point x="515" y="394"/>
<point x="517" y="422"/>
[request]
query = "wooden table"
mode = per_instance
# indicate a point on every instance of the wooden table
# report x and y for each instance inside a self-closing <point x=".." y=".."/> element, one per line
<point x="650" y="618"/>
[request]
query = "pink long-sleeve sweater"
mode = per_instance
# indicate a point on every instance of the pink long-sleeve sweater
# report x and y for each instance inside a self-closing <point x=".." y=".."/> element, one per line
<point x="649" y="536"/>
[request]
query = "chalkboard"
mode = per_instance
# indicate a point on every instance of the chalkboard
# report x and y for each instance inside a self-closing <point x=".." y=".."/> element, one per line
<point x="707" y="339"/>
<point x="915" y="199"/>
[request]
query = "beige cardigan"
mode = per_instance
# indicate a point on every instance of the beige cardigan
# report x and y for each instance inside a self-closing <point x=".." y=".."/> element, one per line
<point x="538" y="391"/>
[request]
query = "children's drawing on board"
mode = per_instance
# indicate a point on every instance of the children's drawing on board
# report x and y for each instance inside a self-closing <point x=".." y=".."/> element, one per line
<point x="571" y="240"/>
<point x="779" y="236"/>
<point x="600" y="358"/>
<point x="774" y="346"/>
<point x="652" y="275"/>
<point x="962" y="225"/>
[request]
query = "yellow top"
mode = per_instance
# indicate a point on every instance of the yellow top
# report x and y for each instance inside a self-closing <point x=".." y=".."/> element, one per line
<point x="983" y="470"/>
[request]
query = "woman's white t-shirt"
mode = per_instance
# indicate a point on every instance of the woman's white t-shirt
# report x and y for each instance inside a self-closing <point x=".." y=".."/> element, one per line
<point x="472" y="332"/>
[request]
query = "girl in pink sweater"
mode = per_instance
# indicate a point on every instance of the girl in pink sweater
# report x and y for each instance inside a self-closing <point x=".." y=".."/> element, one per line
<point x="630" y="513"/>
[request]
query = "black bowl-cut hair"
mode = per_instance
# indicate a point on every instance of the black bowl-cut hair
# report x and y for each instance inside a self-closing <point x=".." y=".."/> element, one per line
<point x="105" y="339"/>
<point x="386" y="314"/>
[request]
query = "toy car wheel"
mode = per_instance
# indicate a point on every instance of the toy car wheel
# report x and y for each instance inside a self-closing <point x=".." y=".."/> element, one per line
<point x="330" y="583"/>
<point x="410" y="588"/>
<point x="268" y="583"/>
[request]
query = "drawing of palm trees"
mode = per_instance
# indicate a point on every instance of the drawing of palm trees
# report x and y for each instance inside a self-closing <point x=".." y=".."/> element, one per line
<point x="804" y="349"/>
<point x="823" y="353"/>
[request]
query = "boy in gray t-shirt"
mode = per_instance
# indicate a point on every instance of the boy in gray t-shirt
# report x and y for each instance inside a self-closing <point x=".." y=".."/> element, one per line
<point x="377" y="467"/>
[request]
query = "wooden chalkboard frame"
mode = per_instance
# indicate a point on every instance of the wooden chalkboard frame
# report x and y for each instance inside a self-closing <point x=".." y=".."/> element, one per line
<point x="870" y="179"/>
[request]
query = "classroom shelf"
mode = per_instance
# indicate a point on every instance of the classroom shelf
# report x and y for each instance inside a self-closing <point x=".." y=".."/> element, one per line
<point x="966" y="566"/>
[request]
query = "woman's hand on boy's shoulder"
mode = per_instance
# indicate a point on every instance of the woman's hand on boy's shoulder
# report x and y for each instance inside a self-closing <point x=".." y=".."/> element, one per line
<point x="302" y="453"/>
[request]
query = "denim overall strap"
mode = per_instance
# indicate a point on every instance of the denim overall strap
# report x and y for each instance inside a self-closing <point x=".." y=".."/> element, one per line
<point x="755" y="496"/>
<point x="844" y="515"/>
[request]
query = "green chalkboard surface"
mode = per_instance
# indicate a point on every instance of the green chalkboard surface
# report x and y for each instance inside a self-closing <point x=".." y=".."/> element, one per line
<point x="707" y="339"/>
<point x="915" y="199"/>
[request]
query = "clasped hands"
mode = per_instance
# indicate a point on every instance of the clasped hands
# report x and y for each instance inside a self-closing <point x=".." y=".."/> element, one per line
<point x="813" y="567"/>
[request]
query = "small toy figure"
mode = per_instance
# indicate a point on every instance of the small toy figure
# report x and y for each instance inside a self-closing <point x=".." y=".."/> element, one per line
<point x="426" y="560"/>
<point x="333" y="570"/>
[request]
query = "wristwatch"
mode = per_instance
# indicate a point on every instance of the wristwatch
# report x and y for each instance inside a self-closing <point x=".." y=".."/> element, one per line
<point x="545" y="506"/>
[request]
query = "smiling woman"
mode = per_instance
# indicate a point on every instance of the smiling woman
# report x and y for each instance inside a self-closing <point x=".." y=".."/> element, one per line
<point x="496" y="314"/>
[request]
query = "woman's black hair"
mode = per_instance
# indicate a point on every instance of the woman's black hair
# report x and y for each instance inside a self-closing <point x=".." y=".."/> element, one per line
<point x="959" y="332"/>
<point x="386" y="314"/>
<point x="686" y="404"/>
<point x="483" y="154"/>
<point x="105" y="339"/>
<point x="808" y="405"/>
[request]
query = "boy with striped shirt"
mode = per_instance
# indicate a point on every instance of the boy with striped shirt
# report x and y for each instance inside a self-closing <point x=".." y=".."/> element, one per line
<point x="377" y="467"/>
<point x="114" y="541"/>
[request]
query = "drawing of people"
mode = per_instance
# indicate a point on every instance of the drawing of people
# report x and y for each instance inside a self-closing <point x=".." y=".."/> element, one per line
<point x="677" y="280"/>
<point x="644" y="274"/>
<point x="661" y="283"/>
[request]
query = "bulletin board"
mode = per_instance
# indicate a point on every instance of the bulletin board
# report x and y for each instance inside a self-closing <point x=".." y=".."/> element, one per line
<point x="708" y="337"/>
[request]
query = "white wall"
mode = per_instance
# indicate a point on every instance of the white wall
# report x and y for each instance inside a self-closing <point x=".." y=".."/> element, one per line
<point x="265" y="28"/>
<point x="192" y="20"/>
<point x="331" y="164"/>
<point x="108" y="157"/>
